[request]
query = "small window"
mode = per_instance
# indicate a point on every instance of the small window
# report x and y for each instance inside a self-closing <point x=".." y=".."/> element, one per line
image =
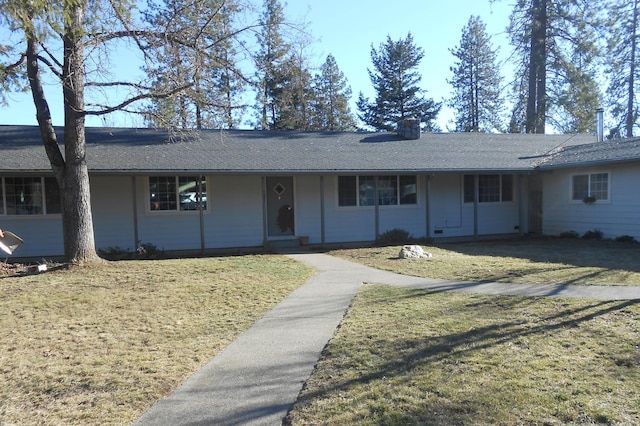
<point x="493" y="188"/>
<point x="408" y="190"/>
<point x="389" y="190"/>
<point x="594" y="185"/>
<point x="30" y="196"/>
<point x="177" y="193"/>
<point x="347" y="190"/>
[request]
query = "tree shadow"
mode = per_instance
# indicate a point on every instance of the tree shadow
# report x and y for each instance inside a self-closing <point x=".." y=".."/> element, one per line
<point x="422" y="353"/>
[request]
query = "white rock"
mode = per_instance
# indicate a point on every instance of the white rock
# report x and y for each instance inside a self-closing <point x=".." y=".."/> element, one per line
<point x="413" y="252"/>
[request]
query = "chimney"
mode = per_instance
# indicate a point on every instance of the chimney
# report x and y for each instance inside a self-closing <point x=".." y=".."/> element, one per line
<point x="600" y="124"/>
<point x="409" y="128"/>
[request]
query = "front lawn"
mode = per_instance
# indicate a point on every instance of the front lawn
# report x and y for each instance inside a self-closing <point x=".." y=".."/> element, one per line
<point x="99" y="345"/>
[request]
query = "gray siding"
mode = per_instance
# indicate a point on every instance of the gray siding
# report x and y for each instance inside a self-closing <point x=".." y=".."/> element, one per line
<point x="619" y="216"/>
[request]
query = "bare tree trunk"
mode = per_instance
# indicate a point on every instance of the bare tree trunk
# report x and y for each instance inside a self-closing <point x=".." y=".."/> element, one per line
<point x="71" y="170"/>
<point x="632" y="71"/>
<point x="79" y="243"/>
<point x="536" y="97"/>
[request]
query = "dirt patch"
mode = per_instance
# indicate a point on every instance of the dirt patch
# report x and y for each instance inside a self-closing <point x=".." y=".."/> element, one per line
<point x="9" y="269"/>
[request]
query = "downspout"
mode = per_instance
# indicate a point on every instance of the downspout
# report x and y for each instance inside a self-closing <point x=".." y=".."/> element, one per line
<point x="201" y="214"/>
<point x="264" y="211"/>
<point x="476" y="195"/>
<point x="136" y="237"/>
<point x="322" y="224"/>
<point x="376" y="207"/>
<point x="428" y="206"/>
<point x="522" y="205"/>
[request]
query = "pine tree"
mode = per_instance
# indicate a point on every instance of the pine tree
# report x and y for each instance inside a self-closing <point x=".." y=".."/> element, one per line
<point x="556" y="48"/>
<point x="395" y="80"/>
<point x="210" y="101"/>
<point x="476" y="81"/>
<point x="271" y="70"/>
<point x="331" y="99"/>
<point x="623" y="63"/>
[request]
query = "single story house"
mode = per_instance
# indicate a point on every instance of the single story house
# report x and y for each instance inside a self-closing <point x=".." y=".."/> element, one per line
<point x="234" y="189"/>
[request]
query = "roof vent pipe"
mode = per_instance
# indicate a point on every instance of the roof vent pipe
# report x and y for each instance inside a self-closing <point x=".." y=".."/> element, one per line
<point x="600" y="124"/>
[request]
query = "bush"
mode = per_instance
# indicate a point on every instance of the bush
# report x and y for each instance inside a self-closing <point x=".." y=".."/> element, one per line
<point x="596" y="234"/>
<point x="569" y="234"/>
<point x="394" y="237"/>
<point x="148" y="251"/>
<point x="626" y="239"/>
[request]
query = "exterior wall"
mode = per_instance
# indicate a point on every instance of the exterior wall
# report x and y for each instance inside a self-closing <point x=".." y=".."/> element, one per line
<point x="616" y="217"/>
<point x="358" y="224"/>
<point x="42" y="235"/>
<point x="451" y="217"/>
<point x="113" y="213"/>
<point x="235" y="215"/>
<point x="233" y="219"/>
<point x="308" y="208"/>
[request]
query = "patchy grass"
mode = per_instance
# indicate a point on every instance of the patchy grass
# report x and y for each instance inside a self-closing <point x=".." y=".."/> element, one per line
<point x="414" y="357"/>
<point x="99" y="345"/>
<point x="530" y="261"/>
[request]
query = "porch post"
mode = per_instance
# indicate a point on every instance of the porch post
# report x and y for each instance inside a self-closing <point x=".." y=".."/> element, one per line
<point x="376" y="207"/>
<point x="322" y="230"/>
<point x="476" y="195"/>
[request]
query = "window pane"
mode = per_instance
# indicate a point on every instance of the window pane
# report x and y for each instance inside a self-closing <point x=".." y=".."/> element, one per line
<point x="599" y="186"/>
<point x="24" y="195"/>
<point x="52" y="195"/>
<point x="580" y="187"/>
<point x="469" y="189"/>
<point x="189" y="194"/>
<point x="387" y="190"/>
<point x="507" y="187"/>
<point x="367" y="190"/>
<point x="489" y="188"/>
<point x="408" y="190"/>
<point x="162" y="193"/>
<point x="347" y="191"/>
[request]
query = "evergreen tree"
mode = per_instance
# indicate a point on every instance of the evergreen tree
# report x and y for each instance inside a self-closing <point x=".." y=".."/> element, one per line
<point x="271" y="67"/>
<point x="210" y="101"/>
<point x="330" y="104"/>
<point x="476" y="81"/>
<point x="395" y="80"/>
<point x="623" y="63"/>
<point x="556" y="49"/>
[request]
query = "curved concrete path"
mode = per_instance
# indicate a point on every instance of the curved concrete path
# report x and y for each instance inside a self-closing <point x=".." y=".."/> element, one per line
<point x="256" y="379"/>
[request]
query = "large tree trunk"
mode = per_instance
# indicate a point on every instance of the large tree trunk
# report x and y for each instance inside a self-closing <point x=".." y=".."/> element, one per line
<point x="631" y="116"/>
<point x="71" y="170"/>
<point x="79" y="243"/>
<point x="536" y="96"/>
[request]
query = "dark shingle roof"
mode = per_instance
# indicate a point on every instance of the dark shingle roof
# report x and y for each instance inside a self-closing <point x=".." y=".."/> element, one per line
<point x="593" y="154"/>
<point x="246" y="151"/>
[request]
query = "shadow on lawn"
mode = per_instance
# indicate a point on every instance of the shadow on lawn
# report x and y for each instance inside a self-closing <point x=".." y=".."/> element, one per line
<point x="423" y="353"/>
<point x="607" y="254"/>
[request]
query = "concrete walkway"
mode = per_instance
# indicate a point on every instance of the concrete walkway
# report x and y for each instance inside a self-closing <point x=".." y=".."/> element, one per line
<point x="256" y="379"/>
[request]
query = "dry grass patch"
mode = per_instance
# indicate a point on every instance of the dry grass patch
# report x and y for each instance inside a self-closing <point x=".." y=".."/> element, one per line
<point x="530" y="261"/>
<point x="99" y="345"/>
<point x="414" y="357"/>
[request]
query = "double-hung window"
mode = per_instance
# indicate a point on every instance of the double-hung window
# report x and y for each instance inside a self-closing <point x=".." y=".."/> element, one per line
<point x="29" y="196"/>
<point x="593" y="185"/>
<point x="492" y="188"/>
<point x="177" y="193"/>
<point x="391" y="190"/>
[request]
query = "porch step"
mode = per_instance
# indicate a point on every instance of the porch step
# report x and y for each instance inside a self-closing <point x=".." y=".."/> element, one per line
<point x="282" y="244"/>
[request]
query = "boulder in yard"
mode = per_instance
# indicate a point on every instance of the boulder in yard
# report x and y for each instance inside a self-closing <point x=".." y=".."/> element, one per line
<point x="413" y="252"/>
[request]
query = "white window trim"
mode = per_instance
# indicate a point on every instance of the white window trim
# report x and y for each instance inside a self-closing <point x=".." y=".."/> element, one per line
<point x="44" y="214"/>
<point x="149" y="211"/>
<point x="589" y="173"/>
<point x="373" y="206"/>
<point x="491" y="203"/>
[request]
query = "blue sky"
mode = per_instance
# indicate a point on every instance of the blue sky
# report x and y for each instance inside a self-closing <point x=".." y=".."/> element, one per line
<point x="347" y="29"/>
